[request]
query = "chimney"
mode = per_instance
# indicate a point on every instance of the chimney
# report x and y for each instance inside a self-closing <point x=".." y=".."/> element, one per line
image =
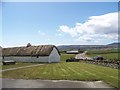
<point x="28" y="45"/>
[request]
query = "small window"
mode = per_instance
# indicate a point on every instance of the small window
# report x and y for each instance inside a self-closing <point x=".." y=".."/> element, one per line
<point x="3" y="57"/>
<point x="37" y="56"/>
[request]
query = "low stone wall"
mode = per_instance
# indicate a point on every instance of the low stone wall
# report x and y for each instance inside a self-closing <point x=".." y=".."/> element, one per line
<point x="107" y="63"/>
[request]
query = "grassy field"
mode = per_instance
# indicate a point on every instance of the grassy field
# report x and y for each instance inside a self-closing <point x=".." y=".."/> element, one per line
<point x="104" y="51"/>
<point x="66" y="71"/>
<point x="16" y="65"/>
<point x="66" y="56"/>
<point x="107" y="54"/>
<point x="112" y="56"/>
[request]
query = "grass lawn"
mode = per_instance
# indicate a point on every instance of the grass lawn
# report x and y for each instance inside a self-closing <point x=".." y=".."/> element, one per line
<point x="67" y="71"/>
<point x="66" y="56"/>
<point x="112" y="56"/>
<point x="16" y="65"/>
<point x="104" y="51"/>
<point x="107" y="54"/>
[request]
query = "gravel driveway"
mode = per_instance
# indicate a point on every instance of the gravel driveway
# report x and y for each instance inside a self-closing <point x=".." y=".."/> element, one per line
<point x="82" y="56"/>
<point x="20" y="67"/>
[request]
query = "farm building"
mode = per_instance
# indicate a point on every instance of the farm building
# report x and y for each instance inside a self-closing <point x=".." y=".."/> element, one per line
<point x="41" y="53"/>
<point x="72" y="52"/>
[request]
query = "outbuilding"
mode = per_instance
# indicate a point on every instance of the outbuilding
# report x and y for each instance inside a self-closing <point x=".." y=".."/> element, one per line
<point x="72" y="52"/>
<point x="29" y="53"/>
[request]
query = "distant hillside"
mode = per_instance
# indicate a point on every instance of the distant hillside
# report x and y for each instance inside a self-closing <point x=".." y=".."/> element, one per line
<point x="114" y="44"/>
<point x="69" y="47"/>
<point x="87" y="47"/>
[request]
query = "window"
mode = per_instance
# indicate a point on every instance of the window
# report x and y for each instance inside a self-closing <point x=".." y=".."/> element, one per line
<point x="37" y="56"/>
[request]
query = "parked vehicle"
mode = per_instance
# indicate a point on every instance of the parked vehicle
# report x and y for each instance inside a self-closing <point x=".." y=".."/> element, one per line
<point x="8" y="62"/>
<point x="72" y="60"/>
<point x="98" y="58"/>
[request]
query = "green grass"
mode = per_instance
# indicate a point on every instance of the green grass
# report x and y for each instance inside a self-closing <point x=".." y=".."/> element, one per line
<point x="16" y="65"/>
<point x="104" y="51"/>
<point x="66" y="56"/>
<point x="107" y="54"/>
<point x="67" y="71"/>
<point x="112" y="56"/>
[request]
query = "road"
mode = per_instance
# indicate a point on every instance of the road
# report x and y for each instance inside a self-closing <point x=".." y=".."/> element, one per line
<point x="82" y="56"/>
<point x="19" y="83"/>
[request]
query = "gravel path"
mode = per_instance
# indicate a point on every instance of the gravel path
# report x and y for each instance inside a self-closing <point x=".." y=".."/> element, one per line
<point x="82" y="56"/>
<point x="20" y="67"/>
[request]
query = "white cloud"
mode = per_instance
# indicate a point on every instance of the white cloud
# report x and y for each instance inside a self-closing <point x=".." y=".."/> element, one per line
<point x="66" y="29"/>
<point x="41" y="33"/>
<point x="60" y="34"/>
<point x="48" y="39"/>
<point x="96" y="27"/>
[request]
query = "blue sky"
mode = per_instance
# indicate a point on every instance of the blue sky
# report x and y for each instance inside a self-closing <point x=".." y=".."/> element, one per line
<point x="56" y="23"/>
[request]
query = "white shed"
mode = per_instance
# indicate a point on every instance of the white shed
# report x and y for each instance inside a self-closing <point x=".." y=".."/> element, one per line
<point x="72" y="52"/>
<point x="41" y="53"/>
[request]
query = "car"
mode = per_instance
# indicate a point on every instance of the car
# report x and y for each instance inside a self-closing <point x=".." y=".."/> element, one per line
<point x="72" y="60"/>
<point x="9" y="62"/>
<point x="98" y="58"/>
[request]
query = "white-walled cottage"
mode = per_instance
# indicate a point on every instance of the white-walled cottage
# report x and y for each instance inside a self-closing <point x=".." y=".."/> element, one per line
<point x="41" y="53"/>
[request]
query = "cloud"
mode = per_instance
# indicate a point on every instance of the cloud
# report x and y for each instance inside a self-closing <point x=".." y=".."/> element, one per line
<point x="96" y="27"/>
<point x="48" y="39"/>
<point x="59" y="34"/>
<point x="41" y="33"/>
<point x="68" y="30"/>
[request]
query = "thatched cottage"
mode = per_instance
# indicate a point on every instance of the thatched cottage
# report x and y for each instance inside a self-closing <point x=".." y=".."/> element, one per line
<point x="41" y="53"/>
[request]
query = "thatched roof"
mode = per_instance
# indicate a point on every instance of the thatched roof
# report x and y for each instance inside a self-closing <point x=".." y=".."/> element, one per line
<point x="41" y="50"/>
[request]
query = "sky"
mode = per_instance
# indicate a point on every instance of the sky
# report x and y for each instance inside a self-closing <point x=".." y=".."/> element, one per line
<point x="59" y="23"/>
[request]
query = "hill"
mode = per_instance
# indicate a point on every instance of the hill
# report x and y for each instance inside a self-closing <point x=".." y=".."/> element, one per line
<point x="88" y="47"/>
<point x="114" y="44"/>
